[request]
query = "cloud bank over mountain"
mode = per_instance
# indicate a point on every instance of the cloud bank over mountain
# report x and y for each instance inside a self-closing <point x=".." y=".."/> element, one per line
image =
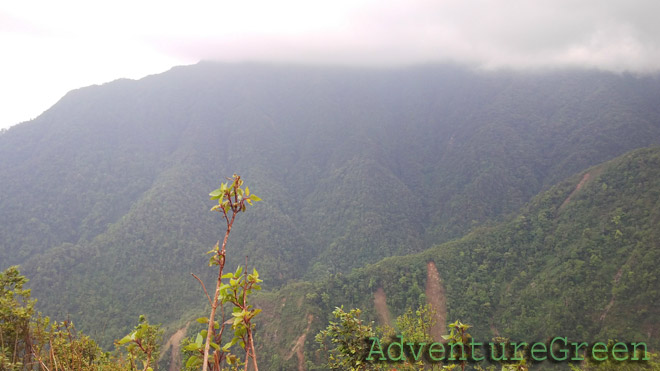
<point x="51" y="48"/>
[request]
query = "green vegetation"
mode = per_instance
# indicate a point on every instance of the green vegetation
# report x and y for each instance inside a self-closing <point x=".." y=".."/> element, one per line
<point x="611" y="364"/>
<point x="369" y="175"/>
<point x="350" y="344"/>
<point x="142" y="344"/>
<point x="29" y="341"/>
<point x="355" y="346"/>
<point x="232" y="199"/>
<point x="35" y="342"/>
<point x="552" y="270"/>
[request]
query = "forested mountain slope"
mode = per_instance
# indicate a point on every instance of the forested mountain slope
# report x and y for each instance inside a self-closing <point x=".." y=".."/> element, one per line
<point x="104" y="195"/>
<point x="580" y="260"/>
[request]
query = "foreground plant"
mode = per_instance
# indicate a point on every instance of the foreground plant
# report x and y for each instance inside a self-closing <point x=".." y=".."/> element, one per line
<point x="347" y="340"/>
<point x="30" y="341"/>
<point x="232" y="199"/>
<point x="143" y="343"/>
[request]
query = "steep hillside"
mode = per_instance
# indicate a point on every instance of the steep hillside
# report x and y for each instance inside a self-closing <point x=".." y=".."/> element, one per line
<point x="586" y="269"/>
<point x="103" y="196"/>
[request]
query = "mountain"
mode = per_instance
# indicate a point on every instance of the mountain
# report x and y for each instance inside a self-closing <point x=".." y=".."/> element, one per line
<point x="104" y="195"/>
<point x="579" y="260"/>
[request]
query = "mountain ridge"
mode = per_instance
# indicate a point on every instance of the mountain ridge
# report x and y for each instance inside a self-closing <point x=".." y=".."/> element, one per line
<point x="520" y="279"/>
<point x="103" y="195"/>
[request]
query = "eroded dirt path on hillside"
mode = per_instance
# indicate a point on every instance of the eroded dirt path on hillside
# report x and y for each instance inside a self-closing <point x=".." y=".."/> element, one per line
<point x="380" y="302"/>
<point x="435" y="297"/>
<point x="585" y="179"/>
<point x="175" y="342"/>
<point x="299" y="347"/>
<point x="616" y="279"/>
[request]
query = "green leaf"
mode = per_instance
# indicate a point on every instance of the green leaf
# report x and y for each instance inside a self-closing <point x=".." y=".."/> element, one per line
<point x="191" y="361"/>
<point x="126" y="338"/>
<point x="231" y="344"/>
<point x="254" y="197"/>
<point x="216" y="194"/>
<point x="192" y="346"/>
<point x="203" y="320"/>
<point x="199" y="339"/>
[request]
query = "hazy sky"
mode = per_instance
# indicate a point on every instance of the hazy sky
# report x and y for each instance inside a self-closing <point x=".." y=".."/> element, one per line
<point x="51" y="47"/>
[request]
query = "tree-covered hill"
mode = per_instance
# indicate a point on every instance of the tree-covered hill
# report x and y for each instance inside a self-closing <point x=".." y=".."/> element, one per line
<point x="580" y="260"/>
<point x="103" y="197"/>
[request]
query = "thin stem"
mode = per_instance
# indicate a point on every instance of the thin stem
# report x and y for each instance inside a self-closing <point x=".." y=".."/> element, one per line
<point x="13" y="360"/>
<point x="203" y="286"/>
<point x="214" y="304"/>
<point x="254" y="354"/>
<point x="52" y="353"/>
<point x="250" y="351"/>
<point x="40" y="361"/>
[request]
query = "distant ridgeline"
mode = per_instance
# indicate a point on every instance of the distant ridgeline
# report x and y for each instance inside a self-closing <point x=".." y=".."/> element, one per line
<point x="585" y="269"/>
<point x="489" y="175"/>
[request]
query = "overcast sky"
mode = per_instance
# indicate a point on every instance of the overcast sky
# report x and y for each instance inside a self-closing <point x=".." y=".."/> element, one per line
<point x="51" y="47"/>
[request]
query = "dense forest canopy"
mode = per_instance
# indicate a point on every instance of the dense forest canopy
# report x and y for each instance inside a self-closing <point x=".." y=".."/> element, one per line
<point x="103" y="196"/>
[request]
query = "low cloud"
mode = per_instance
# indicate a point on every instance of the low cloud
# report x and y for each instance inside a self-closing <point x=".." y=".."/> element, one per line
<point x="609" y="35"/>
<point x="52" y="47"/>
